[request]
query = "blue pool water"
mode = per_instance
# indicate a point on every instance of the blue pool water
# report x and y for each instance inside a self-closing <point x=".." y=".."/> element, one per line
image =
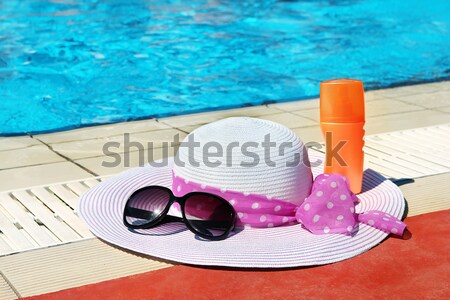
<point x="72" y="63"/>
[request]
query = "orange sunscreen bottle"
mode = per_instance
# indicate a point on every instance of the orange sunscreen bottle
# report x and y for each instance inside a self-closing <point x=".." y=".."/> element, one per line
<point x="342" y="121"/>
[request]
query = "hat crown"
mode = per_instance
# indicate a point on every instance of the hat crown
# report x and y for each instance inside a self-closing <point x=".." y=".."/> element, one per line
<point x="247" y="155"/>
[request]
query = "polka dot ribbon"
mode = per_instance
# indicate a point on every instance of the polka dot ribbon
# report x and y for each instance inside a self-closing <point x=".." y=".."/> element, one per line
<point x="330" y="208"/>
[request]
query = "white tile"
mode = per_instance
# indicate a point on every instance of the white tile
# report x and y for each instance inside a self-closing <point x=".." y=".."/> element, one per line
<point x="402" y="91"/>
<point x="374" y="95"/>
<point x="388" y="106"/>
<point x="39" y="175"/>
<point x="208" y="117"/>
<point x="33" y="155"/>
<point x="416" y="89"/>
<point x="17" y="142"/>
<point x="428" y="100"/>
<point x="405" y="120"/>
<point x="385" y="123"/>
<point x="190" y="128"/>
<point x="373" y="108"/>
<point x="95" y="147"/>
<point x="309" y="134"/>
<point x="313" y="114"/>
<point x="108" y="165"/>
<point x="296" y="105"/>
<point x="101" y="131"/>
<point x="290" y="120"/>
<point x="431" y="87"/>
<point x="287" y="119"/>
<point x="445" y="109"/>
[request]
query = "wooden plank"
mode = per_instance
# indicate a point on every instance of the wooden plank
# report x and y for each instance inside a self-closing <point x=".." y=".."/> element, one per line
<point x="408" y="139"/>
<point x="403" y="158"/>
<point x="429" y="156"/>
<point x="444" y="127"/>
<point x="375" y="163"/>
<point x="423" y="142"/>
<point x="430" y="153"/>
<point x="383" y="145"/>
<point x="18" y="241"/>
<point x="428" y="138"/>
<point x="66" y="195"/>
<point x="91" y="182"/>
<point x="386" y="172"/>
<point x="77" y="187"/>
<point x="410" y="156"/>
<point x="440" y="131"/>
<point x="58" y="228"/>
<point x="4" y="246"/>
<point x="401" y="151"/>
<point x="26" y="220"/>
<point x="62" y="210"/>
<point x="385" y="159"/>
<point x="379" y="165"/>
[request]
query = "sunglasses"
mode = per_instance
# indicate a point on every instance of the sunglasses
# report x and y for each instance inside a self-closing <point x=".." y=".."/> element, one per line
<point x="208" y="216"/>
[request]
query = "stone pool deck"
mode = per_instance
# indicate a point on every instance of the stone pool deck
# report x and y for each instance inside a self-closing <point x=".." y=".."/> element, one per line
<point x="78" y="154"/>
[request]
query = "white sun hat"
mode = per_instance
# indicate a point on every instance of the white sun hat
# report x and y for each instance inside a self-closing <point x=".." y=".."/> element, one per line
<point x="278" y="176"/>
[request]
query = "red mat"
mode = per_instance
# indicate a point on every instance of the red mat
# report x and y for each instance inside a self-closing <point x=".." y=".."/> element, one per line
<point x="417" y="268"/>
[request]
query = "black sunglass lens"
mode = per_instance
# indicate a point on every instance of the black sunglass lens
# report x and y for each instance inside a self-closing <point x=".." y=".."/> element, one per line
<point x="146" y="205"/>
<point x="209" y="215"/>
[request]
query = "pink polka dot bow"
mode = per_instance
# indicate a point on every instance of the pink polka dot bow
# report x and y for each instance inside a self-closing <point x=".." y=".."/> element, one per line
<point x="330" y="208"/>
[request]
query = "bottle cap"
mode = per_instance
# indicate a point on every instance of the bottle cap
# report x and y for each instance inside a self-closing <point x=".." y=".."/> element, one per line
<point x="342" y="101"/>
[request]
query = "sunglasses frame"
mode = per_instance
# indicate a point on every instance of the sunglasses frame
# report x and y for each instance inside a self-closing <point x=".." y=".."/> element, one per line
<point x="181" y="201"/>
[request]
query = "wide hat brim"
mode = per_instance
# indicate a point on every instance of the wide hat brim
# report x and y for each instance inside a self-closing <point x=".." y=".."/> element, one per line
<point x="288" y="246"/>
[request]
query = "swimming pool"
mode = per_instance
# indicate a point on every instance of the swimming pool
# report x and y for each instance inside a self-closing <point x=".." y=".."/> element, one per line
<point x="72" y="63"/>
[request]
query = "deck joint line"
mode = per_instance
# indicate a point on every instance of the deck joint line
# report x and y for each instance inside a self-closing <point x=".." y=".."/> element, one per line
<point x="66" y="157"/>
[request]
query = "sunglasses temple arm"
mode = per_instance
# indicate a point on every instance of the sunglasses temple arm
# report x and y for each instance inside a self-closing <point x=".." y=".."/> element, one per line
<point x="171" y="219"/>
<point x="200" y="225"/>
<point x="148" y="215"/>
<point x="213" y="224"/>
<point x="139" y="213"/>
